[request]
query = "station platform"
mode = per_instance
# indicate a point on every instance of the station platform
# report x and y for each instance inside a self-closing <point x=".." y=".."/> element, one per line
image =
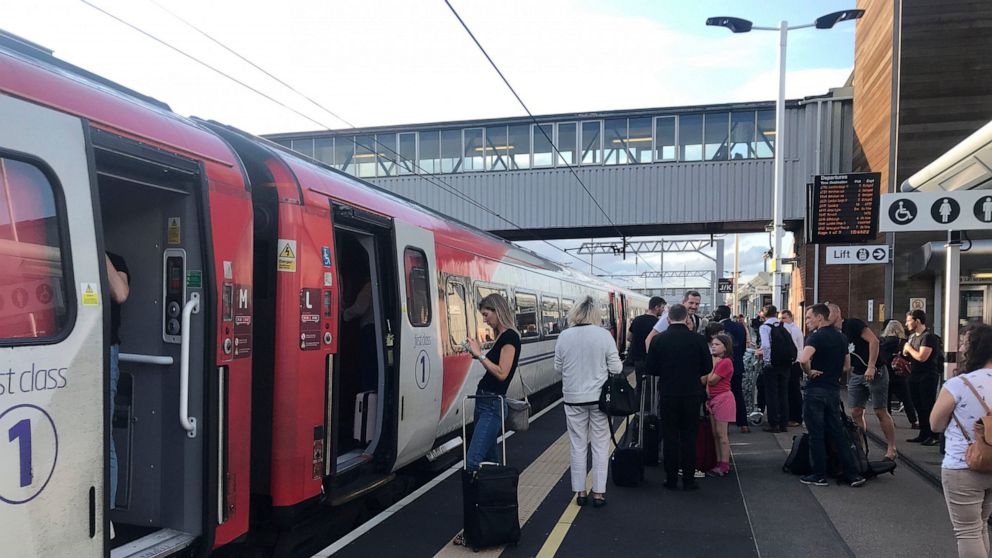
<point x="757" y="510"/>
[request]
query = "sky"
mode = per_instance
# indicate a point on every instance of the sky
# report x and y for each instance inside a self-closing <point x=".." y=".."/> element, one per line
<point x="384" y="62"/>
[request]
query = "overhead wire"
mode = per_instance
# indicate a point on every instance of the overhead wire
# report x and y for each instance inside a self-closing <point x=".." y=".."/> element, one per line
<point x="424" y="174"/>
<point x="538" y="125"/>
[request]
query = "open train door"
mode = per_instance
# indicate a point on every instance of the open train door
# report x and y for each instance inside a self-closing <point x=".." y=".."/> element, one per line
<point x="53" y="377"/>
<point x="419" y="368"/>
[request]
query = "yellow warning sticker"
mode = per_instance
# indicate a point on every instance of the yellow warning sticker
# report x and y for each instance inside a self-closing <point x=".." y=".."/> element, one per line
<point x="175" y="231"/>
<point x="90" y="294"/>
<point x="286" y="255"/>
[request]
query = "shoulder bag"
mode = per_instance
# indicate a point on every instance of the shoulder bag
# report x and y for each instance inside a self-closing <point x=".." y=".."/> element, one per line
<point x="617" y="397"/>
<point x="979" y="453"/>
<point x="518" y="410"/>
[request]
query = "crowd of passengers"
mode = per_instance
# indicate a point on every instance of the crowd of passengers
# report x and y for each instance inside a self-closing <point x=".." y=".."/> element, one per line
<point x="699" y="364"/>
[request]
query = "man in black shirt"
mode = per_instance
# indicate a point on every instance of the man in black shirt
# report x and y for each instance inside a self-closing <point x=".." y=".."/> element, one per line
<point x="922" y="348"/>
<point x="118" y="278"/>
<point x="867" y="380"/>
<point x="679" y="358"/>
<point x="640" y="327"/>
<point x="824" y="359"/>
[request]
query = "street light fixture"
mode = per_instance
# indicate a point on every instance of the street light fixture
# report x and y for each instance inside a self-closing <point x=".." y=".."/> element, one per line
<point x="739" y="25"/>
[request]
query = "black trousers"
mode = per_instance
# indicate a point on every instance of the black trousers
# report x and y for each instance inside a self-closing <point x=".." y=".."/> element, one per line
<point x="680" y="425"/>
<point x="899" y="385"/>
<point x="737" y="388"/>
<point x="777" y="395"/>
<point x="795" y="393"/>
<point x="923" y="390"/>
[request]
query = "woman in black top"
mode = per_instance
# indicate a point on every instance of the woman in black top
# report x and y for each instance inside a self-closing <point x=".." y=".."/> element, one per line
<point x="500" y="364"/>
<point x="889" y="345"/>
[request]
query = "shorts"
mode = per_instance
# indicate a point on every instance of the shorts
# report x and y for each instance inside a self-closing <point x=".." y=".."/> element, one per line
<point x="858" y="390"/>
<point x="723" y="407"/>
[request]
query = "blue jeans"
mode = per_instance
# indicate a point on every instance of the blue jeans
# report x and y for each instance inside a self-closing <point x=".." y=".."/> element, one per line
<point x="821" y="412"/>
<point x="115" y="375"/>
<point x="488" y="425"/>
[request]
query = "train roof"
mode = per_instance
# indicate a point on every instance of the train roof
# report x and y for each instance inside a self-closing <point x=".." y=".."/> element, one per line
<point x="32" y="72"/>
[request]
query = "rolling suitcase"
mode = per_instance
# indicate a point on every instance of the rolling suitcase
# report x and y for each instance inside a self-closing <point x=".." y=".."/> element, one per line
<point x="489" y="498"/>
<point x="652" y="424"/>
<point x="627" y="461"/>
<point x="705" y="446"/>
<point x="365" y="415"/>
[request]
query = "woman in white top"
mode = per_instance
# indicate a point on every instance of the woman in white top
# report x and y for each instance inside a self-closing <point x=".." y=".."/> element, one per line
<point x="968" y="493"/>
<point x="584" y="355"/>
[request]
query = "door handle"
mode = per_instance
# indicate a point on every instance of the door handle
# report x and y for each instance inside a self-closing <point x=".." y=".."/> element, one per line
<point x="188" y="423"/>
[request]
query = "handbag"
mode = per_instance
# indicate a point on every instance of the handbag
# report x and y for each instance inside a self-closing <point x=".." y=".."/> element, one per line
<point x="900" y="366"/>
<point x="617" y="398"/>
<point x="978" y="456"/>
<point x="518" y="410"/>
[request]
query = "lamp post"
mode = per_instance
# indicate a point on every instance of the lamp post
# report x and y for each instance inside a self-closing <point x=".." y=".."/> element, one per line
<point x="738" y="25"/>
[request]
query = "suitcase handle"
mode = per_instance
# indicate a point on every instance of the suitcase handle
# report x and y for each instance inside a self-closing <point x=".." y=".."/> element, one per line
<point x="502" y="425"/>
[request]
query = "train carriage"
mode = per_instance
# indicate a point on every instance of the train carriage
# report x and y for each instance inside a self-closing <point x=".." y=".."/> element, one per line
<point x="291" y="340"/>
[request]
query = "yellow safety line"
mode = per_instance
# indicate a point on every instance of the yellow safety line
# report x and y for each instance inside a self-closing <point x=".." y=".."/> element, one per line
<point x="557" y="536"/>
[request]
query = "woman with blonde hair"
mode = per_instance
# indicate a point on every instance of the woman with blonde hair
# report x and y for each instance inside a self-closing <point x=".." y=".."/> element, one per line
<point x="499" y="364"/>
<point x="584" y="355"/>
<point x="889" y="345"/>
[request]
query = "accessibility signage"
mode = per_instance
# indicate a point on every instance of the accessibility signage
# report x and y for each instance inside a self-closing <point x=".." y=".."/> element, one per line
<point x="963" y="210"/>
<point x="854" y="255"/>
<point x="843" y="208"/>
<point x="726" y="285"/>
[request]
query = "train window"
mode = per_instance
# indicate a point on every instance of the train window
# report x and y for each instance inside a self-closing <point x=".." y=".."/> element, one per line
<point x="550" y="315"/>
<point x="604" y="309"/>
<point x="485" y="334"/>
<point x="418" y="300"/>
<point x="526" y="308"/>
<point x="457" y="315"/>
<point x="33" y="297"/>
<point x="566" y="307"/>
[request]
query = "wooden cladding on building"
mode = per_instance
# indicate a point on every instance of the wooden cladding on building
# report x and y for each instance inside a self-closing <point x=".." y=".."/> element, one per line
<point x="873" y="88"/>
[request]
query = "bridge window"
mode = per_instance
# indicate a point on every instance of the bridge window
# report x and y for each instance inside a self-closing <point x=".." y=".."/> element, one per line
<point x="344" y="154"/>
<point x="615" y="149"/>
<point x="451" y="150"/>
<point x="543" y="153"/>
<point x="418" y="299"/>
<point x="639" y="140"/>
<point x="407" y="149"/>
<point x="741" y="135"/>
<point x="496" y="148"/>
<point x="567" y="143"/>
<point x="717" y="132"/>
<point x="664" y="142"/>
<point x="323" y="150"/>
<point x="518" y="150"/>
<point x="365" y="156"/>
<point x="385" y="148"/>
<point x="430" y="151"/>
<point x="691" y="137"/>
<point x="304" y="146"/>
<point x="472" y="141"/>
<point x="33" y="290"/>
<point x="527" y="315"/>
<point x="591" y="142"/>
<point x="457" y="315"/>
<point x="550" y="315"/>
<point x="765" y="146"/>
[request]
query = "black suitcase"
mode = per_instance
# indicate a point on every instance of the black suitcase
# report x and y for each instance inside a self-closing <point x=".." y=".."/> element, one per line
<point x="489" y="500"/>
<point x="627" y="461"/>
<point x="651" y="441"/>
<point x="798" y="461"/>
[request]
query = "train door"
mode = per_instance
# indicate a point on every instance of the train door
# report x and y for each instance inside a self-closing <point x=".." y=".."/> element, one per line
<point x="151" y="203"/>
<point x="53" y="375"/>
<point x="419" y="368"/>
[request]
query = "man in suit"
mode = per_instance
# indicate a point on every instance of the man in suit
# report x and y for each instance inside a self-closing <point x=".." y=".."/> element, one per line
<point x="679" y="357"/>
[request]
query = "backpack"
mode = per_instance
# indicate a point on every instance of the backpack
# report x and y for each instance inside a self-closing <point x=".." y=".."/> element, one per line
<point x="783" y="349"/>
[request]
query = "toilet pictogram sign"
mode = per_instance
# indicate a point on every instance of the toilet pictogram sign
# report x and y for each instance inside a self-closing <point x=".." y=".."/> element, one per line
<point x="963" y="210"/>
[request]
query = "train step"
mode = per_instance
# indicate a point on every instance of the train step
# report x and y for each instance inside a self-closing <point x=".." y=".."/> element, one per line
<point x="161" y="543"/>
<point x="358" y="488"/>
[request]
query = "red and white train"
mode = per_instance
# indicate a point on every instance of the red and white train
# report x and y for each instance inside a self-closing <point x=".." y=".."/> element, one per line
<point x="291" y="337"/>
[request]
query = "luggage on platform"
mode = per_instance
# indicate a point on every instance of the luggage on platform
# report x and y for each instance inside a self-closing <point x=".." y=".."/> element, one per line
<point x="627" y="461"/>
<point x="798" y="462"/>
<point x="651" y="441"/>
<point x="705" y="446"/>
<point x="489" y="498"/>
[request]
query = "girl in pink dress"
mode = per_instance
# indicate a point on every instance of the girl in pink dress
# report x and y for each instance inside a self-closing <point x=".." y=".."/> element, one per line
<point x="721" y="404"/>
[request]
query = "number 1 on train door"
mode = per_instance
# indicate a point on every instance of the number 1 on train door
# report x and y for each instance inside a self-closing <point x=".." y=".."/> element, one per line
<point x="22" y="433"/>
